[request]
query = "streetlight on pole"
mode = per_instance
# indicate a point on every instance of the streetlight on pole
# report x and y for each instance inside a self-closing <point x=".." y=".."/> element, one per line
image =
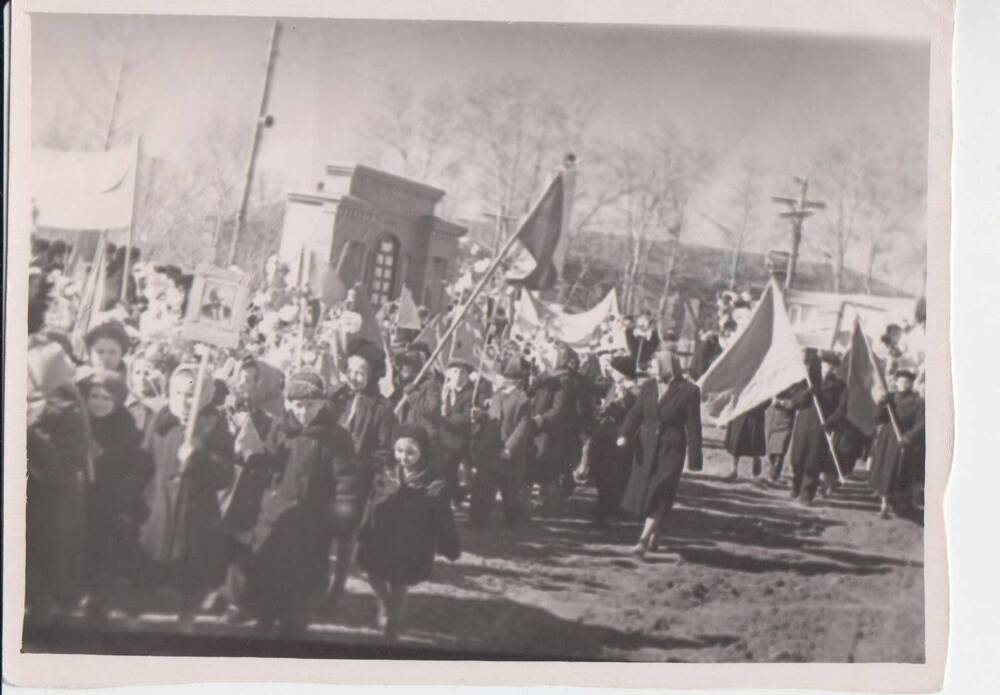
<point x="799" y="209"/>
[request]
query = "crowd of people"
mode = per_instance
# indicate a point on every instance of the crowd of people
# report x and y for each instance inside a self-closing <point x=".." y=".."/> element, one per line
<point x="235" y="486"/>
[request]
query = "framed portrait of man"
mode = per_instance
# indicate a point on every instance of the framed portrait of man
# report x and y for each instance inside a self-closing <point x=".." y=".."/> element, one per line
<point x="216" y="307"/>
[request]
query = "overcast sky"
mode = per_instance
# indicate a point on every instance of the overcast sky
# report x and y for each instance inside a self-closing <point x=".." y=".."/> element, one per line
<point x="774" y="95"/>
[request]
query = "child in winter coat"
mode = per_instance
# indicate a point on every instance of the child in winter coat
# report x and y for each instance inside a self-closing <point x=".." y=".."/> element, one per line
<point x="183" y="535"/>
<point x="115" y="506"/>
<point x="410" y="521"/>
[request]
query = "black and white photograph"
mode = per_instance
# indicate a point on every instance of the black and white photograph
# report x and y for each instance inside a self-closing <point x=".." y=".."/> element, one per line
<point x="376" y="338"/>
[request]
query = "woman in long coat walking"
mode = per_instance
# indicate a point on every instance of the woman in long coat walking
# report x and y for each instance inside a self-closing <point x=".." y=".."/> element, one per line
<point x="183" y="535"/>
<point x="746" y="436"/>
<point x="810" y="449"/>
<point x="779" y="420"/>
<point x="610" y="465"/>
<point x="667" y="419"/>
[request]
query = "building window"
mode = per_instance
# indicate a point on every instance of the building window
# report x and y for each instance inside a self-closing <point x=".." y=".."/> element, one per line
<point x="384" y="269"/>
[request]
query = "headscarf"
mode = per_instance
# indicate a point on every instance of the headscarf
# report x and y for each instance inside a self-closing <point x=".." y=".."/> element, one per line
<point x="189" y="372"/>
<point x="420" y="436"/>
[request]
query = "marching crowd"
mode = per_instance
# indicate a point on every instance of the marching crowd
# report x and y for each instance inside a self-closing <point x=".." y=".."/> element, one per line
<point x="235" y="492"/>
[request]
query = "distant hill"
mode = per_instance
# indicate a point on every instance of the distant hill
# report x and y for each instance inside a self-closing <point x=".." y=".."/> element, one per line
<point x="699" y="271"/>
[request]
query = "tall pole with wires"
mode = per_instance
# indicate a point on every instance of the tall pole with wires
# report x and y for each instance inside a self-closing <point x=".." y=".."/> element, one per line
<point x="799" y="209"/>
<point x="263" y="119"/>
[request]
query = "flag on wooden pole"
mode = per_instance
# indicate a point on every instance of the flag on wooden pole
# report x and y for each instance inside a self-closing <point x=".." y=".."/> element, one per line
<point x="761" y="361"/>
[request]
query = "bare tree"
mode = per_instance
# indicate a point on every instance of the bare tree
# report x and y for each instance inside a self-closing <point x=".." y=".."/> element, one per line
<point x="745" y="217"/>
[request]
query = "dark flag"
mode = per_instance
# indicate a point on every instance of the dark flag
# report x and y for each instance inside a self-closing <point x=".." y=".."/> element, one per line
<point x="531" y="263"/>
<point x="865" y="387"/>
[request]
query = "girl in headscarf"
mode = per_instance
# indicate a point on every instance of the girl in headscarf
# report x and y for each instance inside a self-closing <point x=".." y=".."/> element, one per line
<point x="116" y="508"/>
<point x="183" y="535"/>
<point x="410" y="522"/>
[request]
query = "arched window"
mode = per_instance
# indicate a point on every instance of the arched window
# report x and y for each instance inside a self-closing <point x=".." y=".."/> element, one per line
<point x="384" y="269"/>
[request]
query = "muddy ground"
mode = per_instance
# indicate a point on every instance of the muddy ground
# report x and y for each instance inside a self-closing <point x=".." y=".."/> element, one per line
<point x="743" y="575"/>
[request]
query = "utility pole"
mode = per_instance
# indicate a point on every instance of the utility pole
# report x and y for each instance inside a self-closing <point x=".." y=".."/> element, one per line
<point x="799" y="209"/>
<point x="263" y="119"/>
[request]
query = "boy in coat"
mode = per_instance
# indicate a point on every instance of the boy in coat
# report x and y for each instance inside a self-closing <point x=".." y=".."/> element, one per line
<point x="500" y="448"/>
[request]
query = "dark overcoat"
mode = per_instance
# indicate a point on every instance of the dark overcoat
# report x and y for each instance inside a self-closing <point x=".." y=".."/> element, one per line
<point x="610" y="464"/>
<point x="184" y="527"/>
<point x="669" y="428"/>
<point x="810" y="450"/>
<point x="455" y="423"/>
<point x="292" y="536"/>
<point x="421" y="405"/>
<point x="892" y="464"/>
<point x="241" y="502"/>
<point x="779" y="421"/>
<point x="506" y="424"/>
<point x="406" y="528"/>
<point x="555" y="413"/>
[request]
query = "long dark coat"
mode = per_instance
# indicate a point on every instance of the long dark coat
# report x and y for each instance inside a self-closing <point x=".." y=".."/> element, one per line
<point x="669" y="429"/>
<point x="407" y="527"/>
<point x="297" y="521"/>
<point x="116" y="507"/>
<point x="422" y="405"/>
<point x="555" y="413"/>
<point x="746" y="435"/>
<point x="610" y="464"/>
<point x="810" y="450"/>
<point x="705" y="353"/>
<point x="455" y="423"/>
<point x="890" y="467"/>
<point x="55" y="522"/>
<point x="184" y="527"/>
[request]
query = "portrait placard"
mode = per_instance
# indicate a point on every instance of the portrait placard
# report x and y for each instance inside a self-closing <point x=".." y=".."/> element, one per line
<point x="216" y="306"/>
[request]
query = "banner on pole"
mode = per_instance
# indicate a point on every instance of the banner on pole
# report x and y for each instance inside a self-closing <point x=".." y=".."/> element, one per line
<point x="84" y="190"/>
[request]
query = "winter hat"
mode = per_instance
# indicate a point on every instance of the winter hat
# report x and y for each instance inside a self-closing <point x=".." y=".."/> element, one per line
<point x="305" y="385"/>
<point x="110" y="381"/>
<point x="417" y="434"/>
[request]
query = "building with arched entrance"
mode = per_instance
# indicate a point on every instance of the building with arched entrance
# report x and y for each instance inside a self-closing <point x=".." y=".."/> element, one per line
<point x="384" y="227"/>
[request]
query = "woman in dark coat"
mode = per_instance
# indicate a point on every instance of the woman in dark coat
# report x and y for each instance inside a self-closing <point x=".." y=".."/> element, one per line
<point x="183" y="535"/>
<point x="410" y="522"/>
<point x="705" y="352"/>
<point x="368" y="416"/>
<point x="667" y="419"/>
<point x="115" y="506"/>
<point x="898" y="464"/>
<point x="746" y="436"/>
<point x="59" y="470"/>
<point x="610" y="464"/>
<point x="310" y="452"/>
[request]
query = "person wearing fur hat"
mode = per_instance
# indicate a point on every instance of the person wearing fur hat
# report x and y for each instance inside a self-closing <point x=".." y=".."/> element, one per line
<point x="666" y="419"/>
<point x="59" y="469"/>
<point x="609" y="467"/>
<point x="500" y="447"/>
<point x="115" y="506"/>
<point x="810" y="454"/>
<point x="107" y="345"/>
<point x="410" y="522"/>
<point x="312" y="457"/>
<point x="368" y="417"/>
<point x="555" y="412"/>
<point x="898" y="463"/>
<point x="182" y="536"/>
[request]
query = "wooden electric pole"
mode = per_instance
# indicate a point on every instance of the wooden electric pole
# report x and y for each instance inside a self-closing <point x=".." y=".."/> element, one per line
<point x="263" y="119"/>
<point x="800" y="209"/>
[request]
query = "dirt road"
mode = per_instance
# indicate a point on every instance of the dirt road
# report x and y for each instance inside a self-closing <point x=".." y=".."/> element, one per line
<point x="744" y="575"/>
